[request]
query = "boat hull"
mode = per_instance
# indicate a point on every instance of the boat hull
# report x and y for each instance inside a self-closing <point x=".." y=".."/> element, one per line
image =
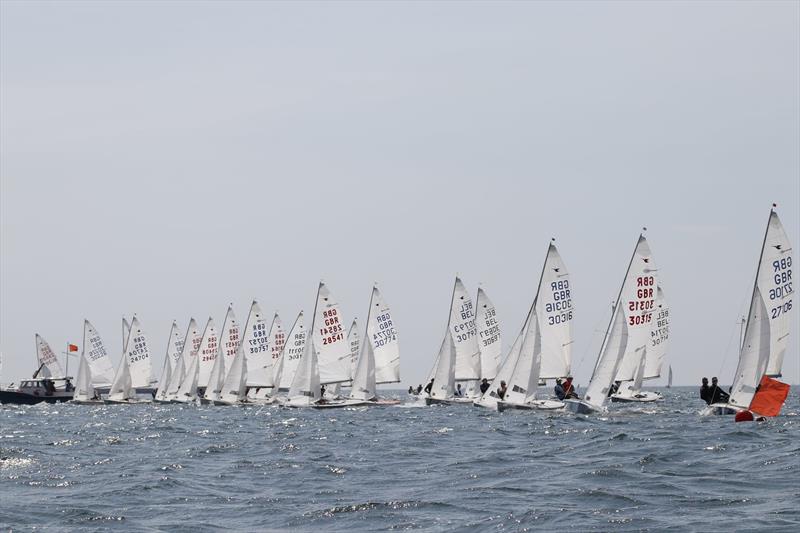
<point x="22" y="398"/>
<point x="639" y="397"/>
<point x="720" y="409"/>
<point x="535" y="405"/>
<point x="87" y="402"/>
<point x="580" y="407"/>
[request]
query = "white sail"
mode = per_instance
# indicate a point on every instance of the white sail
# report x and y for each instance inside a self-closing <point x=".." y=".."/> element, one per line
<point x="137" y="353"/>
<point x="290" y="355"/>
<point x="50" y="367"/>
<point x="166" y="370"/>
<point x="554" y="309"/>
<point x="189" y="346"/>
<point x="102" y="371"/>
<point x="364" y="377"/>
<point x="175" y="346"/>
<point x="305" y="387"/>
<point x="465" y="334"/>
<point x="608" y="362"/>
<point x="213" y="389"/>
<point x="207" y="352"/>
<point x="638" y="378"/>
<point x="525" y="379"/>
<point x="126" y="331"/>
<point x="234" y="389"/>
<point x="229" y="339"/>
<point x="659" y="338"/>
<point x="769" y="317"/>
<point x="256" y="347"/>
<point x="353" y="341"/>
<point x="382" y="334"/>
<point x="489" y="340"/>
<point x="330" y="339"/>
<point x="637" y="302"/>
<point x="506" y="370"/>
<point x="122" y="386"/>
<point x="444" y="377"/>
<point x="187" y="392"/>
<point x="84" y="390"/>
<point x="669" y="377"/>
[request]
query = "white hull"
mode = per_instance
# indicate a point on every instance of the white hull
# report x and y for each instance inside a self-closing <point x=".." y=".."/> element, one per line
<point x="639" y="397"/>
<point x="540" y="405"/>
<point x="487" y="403"/>
<point x="580" y="407"/>
<point x="720" y="409"/>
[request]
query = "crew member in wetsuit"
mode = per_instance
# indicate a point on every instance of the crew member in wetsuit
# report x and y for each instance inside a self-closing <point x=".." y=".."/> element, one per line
<point x="429" y="387"/>
<point x="569" y="390"/>
<point x="613" y="388"/>
<point x="484" y="386"/>
<point x="717" y="394"/>
<point x="559" y="389"/>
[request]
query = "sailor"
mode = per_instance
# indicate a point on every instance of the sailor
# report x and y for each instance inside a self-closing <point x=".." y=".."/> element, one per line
<point x="410" y="389"/>
<point x="501" y="392"/>
<point x="419" y="389"/>
<point x="613" y="388"/>
<point x="717" y="394"/>
<point x="458" y="391"/>
<point x="705" y="391"/>
<point x="322" y="391"/>
<point x="429" y="387"/>
<point x="484" y="386"/>
<point x="569" y="390"/>
<point x="559" y="389"/>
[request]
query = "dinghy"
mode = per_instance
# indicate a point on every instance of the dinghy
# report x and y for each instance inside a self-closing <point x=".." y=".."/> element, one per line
<point x="227" y="348"/>
<point x="171" y="362"/>
<point x="188" y="351"/>
<point x="49" y="367"/>
<point x="84" y="393"/>
<point x="188" y="390"/>
<point x="652" y="358"/>
<point x="443" y="389"/>
<point x="262" y="349"/>
<point x="289" y="359"/>
<point x="135" y="369"/>
<point x="767" y="331"/>
<point x="627" y="333"/>
<point x="543" y="344"/>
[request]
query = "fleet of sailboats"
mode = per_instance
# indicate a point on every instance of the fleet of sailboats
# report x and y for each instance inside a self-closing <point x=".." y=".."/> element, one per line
<point x="332" y="366"/>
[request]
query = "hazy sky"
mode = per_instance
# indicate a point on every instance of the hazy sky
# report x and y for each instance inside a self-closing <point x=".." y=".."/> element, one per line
<point x="170" y="158"/>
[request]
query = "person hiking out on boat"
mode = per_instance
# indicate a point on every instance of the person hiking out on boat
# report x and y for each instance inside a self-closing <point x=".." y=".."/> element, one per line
<point x="717" y="394"/>
<point x="501" y="392"/>
<point x="458" y="392"/>
<point x="613" y="388"/>
<point x="705" y="391"/>
<point x="322" y="391"/>
<point x="559" y="389"/>
<point x="569" y="390"/>
<point x="429" y="387"/>
<point x="410" y="390"/>
<point x="484" y="385"/>
<point x="419" y="389"/>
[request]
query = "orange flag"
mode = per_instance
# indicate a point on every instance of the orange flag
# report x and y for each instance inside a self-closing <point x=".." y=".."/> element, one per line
<point x="73" y="348"/>
<point x="770" y="397"/>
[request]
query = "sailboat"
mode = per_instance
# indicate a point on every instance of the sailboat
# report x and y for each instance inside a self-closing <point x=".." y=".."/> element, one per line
<point x="227" y="348"/>
<point x="188" y="351"/>
<point x="234" y="388"/>
<point x="463" y="334"/>
<point x="767" y="331"/>
<point x="489" y="342"/>
<point x="669" y="378"/>
<point x="333" y="392"/>
<point x="330" y="340"/>
<point x="443" y="383"/>
<point x="262" y="349"/>
<point x="84" y="390"/>
<point x="49" y="367"/>
<point x="305" y="390"/>
<point x="627" y="334"/>
<point x="652" y="358"/>
<point x="101" y="369"/>
<point x="171" y="360"/>
<point x="135" y="368"/>
<point x="201" y="357"/>
<point x="544" y="342"/>
<point x="290" y="357"/>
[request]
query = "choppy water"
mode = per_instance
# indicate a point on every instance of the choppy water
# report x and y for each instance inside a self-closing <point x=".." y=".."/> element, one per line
<point x="151" y="467"/>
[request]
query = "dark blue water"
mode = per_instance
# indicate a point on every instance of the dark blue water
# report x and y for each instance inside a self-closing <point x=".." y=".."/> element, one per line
<point x="151" y="467"/>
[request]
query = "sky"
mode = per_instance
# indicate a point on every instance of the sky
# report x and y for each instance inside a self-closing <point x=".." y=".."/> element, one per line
<point x="169" y="158"/>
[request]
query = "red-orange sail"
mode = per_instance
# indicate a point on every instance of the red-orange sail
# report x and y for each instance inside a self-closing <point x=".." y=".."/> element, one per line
<point x="770" y="397"/>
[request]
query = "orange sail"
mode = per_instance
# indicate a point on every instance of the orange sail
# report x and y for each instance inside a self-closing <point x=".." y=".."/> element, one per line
<point x="770" y="397"/>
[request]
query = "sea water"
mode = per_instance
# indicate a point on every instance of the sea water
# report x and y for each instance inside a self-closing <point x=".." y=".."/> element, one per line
<point x="186" y="468"/>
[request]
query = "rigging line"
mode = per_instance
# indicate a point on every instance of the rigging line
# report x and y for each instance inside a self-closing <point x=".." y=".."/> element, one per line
<point x="595" y="331"/>
<point x="730" y="339"/>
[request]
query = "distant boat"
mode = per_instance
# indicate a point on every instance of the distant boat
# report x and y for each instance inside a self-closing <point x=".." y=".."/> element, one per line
<point x="203" y="355"/>
<point x="49" y="367"/>
<point x="84" y="390"/>
<point x="262" y="346"/>
<point x="669" y="378"/>
<point x="171" y="361"/>
<point x="292" y="352"/>
<point x="767" y="331"/>
<point x="227" y="347"/>
<point x="187" y="352"/>
<point x="627" y="333"/>
<point x="135" y="368"/>
<point x="234" y="388"/>
<point x="100" y="366"/>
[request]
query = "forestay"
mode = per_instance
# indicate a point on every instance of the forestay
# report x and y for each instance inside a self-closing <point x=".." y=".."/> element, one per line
<point x="101" y="369"/>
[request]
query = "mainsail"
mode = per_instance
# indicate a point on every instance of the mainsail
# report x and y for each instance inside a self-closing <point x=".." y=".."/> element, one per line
<point x="48" y="363"/>
<point x="659" y="337"/>
<point x="381" y="333"/>
<point x="256" y="347"/>
<point x="464" y="332"/>
<point x="767" y="330"/>
<point x="305" y="387"/>
<point x="444" y="382"/>
<point x="207" y="352"/>
<point x="489" y="340"/>
<point x="290" y="355"/>
<point x="330" y="339"/>
<point x="364" y="377"/>
<point x="101" y="369"/>
<point x="553" y="303"/>
<point x="137" y="354"/>
<point x="229" y="339"/>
